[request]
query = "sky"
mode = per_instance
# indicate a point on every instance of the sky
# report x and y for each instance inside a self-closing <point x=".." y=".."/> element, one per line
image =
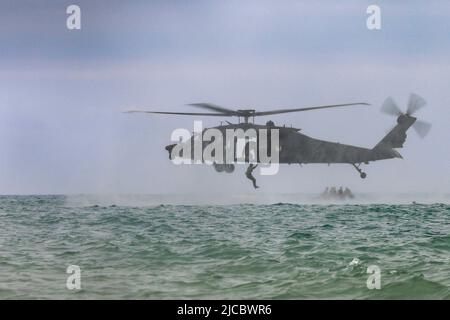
<point x="62" y="92"/>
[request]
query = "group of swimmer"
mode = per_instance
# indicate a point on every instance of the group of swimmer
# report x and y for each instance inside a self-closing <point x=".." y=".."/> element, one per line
<point x="329" y="193"/>
<point x="334" y="193"/>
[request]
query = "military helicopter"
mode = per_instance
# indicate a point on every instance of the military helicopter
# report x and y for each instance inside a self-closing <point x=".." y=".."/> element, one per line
<point x="298" y="148"/>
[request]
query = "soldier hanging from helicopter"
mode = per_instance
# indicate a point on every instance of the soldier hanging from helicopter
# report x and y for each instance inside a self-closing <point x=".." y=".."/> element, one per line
<point x="249" y="174"/>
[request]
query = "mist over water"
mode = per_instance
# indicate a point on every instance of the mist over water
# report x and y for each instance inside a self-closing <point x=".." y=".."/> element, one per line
<point x="256" y="251"/>
<point x="142" y="200"/>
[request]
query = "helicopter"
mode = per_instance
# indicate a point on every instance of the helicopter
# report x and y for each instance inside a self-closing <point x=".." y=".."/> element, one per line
<point x="295" y="147"/>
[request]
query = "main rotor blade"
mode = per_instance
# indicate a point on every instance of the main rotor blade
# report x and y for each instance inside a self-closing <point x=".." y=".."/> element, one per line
<point x="180" y="113"/>
<point x="267" y="113"/>
<point x="214" y="107"/>
<point x="422" y="128"/>
<point x="390" y="107"/>
<point x="415" y="103"/>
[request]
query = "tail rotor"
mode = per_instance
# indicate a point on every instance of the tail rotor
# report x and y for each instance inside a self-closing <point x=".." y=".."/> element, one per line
<point x="415" y="103"/>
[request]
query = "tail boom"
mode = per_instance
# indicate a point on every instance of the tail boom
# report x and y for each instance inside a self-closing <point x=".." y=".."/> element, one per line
<point x="394" y="139"/>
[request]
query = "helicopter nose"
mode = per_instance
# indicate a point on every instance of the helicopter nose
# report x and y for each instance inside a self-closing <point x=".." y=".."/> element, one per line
<point x="169" y="149"/>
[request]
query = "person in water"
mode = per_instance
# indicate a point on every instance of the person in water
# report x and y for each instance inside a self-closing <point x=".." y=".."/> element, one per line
<point x="333" y="191"/>
<point x="348" y="193"/>
<point x="249" y="174"/>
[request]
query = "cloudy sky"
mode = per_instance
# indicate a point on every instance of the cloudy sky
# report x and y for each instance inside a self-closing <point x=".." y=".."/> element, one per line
<point x="62" y="91"/>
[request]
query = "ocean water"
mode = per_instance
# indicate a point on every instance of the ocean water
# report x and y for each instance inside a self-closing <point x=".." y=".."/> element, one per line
<point x="142" y="249"/>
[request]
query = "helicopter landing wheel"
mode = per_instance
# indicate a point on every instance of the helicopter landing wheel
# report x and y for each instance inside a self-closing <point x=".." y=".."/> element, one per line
<point x="362" y="174"/>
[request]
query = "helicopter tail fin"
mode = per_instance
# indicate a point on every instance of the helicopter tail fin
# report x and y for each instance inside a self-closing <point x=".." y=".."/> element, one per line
<point x="397" y="136"/>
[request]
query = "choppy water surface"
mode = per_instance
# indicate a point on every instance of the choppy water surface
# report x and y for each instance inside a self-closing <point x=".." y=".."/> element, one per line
<point x="280" y="251"/>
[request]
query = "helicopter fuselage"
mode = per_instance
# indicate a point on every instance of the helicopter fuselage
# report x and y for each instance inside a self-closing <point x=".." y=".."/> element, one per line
<point x="295" y="147"/>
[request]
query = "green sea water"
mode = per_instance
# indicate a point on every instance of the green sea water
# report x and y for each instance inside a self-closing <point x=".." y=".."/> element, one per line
<point x="229" y="251"/>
